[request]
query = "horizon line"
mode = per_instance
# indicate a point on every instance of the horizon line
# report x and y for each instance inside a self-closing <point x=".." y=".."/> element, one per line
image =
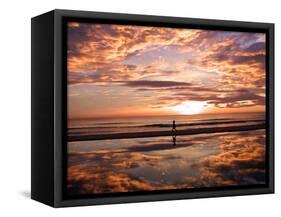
<point x="136" y="116"/>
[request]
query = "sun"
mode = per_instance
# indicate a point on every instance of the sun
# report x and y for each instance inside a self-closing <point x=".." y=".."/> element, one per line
<point x="190" y="107"/>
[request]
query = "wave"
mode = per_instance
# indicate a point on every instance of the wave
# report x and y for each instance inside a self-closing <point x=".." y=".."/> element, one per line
<point x="160" y="125"/>
<point x="192" y="131"/>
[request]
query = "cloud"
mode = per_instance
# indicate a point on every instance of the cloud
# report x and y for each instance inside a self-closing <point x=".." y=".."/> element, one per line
<point x="73" y="25"/>
<point x="104" y="74"/>
<point x="233" y="99"/>
<point x="149" y="83"/>
<point x="117" y="72"/>
<point x="103" y="43"/>
<point x="228" y="53"/>
<point x="169" y="61"/>
<point x="256" y="47"/>
<point x="219" y="98"/>
<point x="260" y="58"/>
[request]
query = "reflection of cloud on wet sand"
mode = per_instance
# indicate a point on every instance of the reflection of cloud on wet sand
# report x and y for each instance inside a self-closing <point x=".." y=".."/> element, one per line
<point x="240" y="160"/>
<point x="102" y="172"/>
<point x="83" y="181"/>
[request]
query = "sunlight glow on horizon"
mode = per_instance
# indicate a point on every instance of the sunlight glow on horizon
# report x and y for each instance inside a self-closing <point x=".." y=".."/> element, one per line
<point x="190" y="107"/>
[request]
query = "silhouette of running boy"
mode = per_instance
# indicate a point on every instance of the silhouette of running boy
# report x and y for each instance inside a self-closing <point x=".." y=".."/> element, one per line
<point x="174" y="125"/>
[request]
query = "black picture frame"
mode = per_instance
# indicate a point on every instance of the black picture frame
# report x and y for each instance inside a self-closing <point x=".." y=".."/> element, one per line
<point x="49" y="107"/>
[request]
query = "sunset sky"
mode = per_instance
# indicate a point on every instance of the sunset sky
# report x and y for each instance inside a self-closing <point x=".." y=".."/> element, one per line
<point x="121" y="70"/>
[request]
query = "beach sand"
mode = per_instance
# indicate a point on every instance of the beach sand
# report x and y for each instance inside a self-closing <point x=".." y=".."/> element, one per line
<point x="166" y="133"/>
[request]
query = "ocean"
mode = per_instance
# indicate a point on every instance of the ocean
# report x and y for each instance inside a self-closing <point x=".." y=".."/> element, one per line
<point x="105" y="125"/>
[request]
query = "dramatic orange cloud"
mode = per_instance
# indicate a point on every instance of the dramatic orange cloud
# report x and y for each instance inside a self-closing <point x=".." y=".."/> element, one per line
<point x="151" y="70"/>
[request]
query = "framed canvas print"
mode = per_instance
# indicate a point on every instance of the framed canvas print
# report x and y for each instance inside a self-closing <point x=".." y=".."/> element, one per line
<point x="130" y="108"/>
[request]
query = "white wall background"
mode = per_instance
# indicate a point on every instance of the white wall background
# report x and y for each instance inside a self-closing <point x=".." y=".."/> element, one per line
<point x="15" y="106"/>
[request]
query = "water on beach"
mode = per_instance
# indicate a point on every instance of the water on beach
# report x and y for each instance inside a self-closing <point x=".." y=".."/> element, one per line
<point x="157" y="163"/>
<point x="96" y="126"/>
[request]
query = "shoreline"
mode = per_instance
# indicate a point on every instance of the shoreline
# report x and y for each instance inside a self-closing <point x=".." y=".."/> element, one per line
<point x="165" y="133"/>
<point x="170" y="125"/>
